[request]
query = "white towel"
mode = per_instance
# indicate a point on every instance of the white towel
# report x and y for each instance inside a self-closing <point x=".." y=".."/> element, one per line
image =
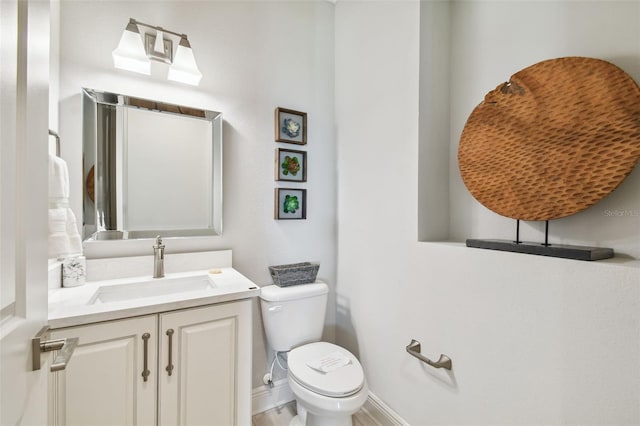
<point x="75" y="242"/>
<point x="59" y="244"/>
<point x="58" y="180"/>
<point x="64" y="238"/>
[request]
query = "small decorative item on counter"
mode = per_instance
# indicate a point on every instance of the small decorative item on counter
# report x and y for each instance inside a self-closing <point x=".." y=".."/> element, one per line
<point x="74" y="271"/>
<point x="294" y="274"/>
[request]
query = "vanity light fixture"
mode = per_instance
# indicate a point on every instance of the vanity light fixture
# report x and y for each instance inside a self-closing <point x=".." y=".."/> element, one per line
<point x="130" y="54"/>
<point x="184" y="68"/>
<point x="134" y="55"/>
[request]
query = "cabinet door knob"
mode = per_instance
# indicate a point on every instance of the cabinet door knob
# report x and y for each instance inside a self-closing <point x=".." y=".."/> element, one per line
<point x="170" y="363"/>
<point x="145" y="369"/>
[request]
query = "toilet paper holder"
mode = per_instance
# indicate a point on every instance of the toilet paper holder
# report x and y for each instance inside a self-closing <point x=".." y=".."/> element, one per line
<point x="414" y="348"/>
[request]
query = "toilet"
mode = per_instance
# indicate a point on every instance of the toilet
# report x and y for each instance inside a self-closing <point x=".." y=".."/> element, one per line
<point x="326" y="379"/>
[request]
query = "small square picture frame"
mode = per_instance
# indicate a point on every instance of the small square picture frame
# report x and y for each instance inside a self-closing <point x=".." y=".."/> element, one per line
<point x="291" y="165"/>
<point x="291" y="126"/>
<point x="290" y="203"/>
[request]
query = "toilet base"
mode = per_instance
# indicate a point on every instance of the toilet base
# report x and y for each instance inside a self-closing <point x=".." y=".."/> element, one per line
<point x="322" y="421"/>
<point x="319" y="410"/>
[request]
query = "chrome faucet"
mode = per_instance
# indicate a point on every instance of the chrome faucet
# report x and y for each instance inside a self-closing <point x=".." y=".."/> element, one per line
<point x="158" y="258"/>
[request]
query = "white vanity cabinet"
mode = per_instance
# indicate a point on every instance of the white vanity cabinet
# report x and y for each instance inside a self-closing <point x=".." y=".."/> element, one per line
<point x="103" y="383"/>
<point x="210" y="353"/>
<point x="199" y="360"/>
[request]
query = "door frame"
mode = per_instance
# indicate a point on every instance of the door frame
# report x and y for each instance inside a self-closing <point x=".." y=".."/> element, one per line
<point x="24" y="88"/>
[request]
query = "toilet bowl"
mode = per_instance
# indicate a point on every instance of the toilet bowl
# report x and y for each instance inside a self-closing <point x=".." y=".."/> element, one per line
<point x="327" y="380"/>
<point x="325" y="398"/>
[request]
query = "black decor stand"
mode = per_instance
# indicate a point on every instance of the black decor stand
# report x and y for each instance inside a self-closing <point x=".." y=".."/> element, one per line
<point x="544" y="249"/>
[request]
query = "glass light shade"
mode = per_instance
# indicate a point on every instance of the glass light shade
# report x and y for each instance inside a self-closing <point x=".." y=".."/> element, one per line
<point x="159" y="44"/>
<point x="130" y="54"/>
<point x="184" y="68"/>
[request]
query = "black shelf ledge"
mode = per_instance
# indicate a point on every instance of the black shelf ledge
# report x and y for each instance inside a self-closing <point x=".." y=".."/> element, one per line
<point x="552" y="250"/>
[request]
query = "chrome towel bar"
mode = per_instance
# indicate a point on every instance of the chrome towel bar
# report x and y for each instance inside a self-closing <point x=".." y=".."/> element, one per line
<point x="414" y="349"/>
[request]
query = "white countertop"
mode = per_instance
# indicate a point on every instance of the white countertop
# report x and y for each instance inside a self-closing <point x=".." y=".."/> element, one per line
<point x="72" y="306"/>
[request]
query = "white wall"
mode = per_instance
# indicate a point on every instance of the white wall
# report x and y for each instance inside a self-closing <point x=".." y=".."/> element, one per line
<point x="255" y="56"/>
<point x="533" y="340"/>
<point x="434" y="105"/>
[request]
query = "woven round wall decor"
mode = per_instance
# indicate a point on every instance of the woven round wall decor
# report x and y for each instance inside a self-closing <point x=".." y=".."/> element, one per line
<point x="554" y="140"/>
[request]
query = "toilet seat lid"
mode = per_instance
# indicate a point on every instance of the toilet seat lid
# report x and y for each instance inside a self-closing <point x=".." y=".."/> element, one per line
<point x="341" y="382"/>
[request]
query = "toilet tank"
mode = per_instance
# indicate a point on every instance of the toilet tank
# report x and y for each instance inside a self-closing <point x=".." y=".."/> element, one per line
<point x="293" y="316"/>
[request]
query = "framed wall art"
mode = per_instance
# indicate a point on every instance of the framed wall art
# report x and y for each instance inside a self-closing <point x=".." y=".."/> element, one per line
<point x="290" y="203"/>
<point x="291" y="165"/>
<point x="291" y="126"/>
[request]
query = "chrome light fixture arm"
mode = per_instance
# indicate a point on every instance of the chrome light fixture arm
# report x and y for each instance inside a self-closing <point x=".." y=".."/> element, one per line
<point x="157" y="28"/>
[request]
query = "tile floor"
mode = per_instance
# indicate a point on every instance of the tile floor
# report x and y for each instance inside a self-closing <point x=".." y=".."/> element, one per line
<point x="281" y="416"/>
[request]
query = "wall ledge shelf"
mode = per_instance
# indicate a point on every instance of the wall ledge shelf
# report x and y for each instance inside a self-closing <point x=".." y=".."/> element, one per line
<point x="553" y="250"/>
<point x="619" y="259"/>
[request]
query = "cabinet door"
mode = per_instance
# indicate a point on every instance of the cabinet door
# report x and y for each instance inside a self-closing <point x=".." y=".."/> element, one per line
<point x="210" y="353"/>
<point x="103" y="383"/>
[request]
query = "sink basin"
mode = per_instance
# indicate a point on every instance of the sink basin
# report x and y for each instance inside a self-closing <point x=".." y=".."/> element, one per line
<point x="150" y="288"/>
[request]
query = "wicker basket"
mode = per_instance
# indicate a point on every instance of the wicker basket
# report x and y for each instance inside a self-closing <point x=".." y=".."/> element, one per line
<point x="294" y="274"/>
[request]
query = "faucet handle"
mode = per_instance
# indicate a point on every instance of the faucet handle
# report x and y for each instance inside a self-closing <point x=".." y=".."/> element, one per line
<point x="158" y="243"/>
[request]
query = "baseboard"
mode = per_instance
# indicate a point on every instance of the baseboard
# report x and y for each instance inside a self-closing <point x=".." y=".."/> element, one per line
<point x="381" y="413"/>
<point x="265" y="398"/>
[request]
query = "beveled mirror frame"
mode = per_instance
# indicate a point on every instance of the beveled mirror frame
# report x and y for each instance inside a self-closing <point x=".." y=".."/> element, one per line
<point x="100" y="204"/>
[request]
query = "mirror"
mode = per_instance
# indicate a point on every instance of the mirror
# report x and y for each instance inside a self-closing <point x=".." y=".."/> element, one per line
<point x="150" y="168"/>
